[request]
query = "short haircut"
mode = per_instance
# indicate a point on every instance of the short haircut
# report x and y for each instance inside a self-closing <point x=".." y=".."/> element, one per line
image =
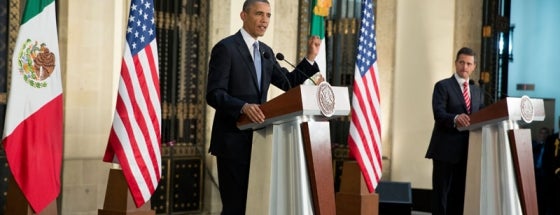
<point x="249" y="3"/>
<point x="546" y="129"/>
<point x="466" y="51"/>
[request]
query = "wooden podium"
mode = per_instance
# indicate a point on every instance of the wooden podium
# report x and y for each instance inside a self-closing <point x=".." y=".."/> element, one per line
<point x="118" y="199"/>
<point x="500" y="175"/>
<point x="291" y="166"/>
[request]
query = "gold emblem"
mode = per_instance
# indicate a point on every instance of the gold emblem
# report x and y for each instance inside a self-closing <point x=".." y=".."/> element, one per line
<point x="36" y="63"/>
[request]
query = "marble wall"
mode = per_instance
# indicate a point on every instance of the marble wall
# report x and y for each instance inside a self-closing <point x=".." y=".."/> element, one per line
<point x="90" y="35"/>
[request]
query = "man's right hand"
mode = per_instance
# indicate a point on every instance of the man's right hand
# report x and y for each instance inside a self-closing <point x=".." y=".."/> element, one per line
<point x="254" y="112"/>
<point x="462" y="120"/>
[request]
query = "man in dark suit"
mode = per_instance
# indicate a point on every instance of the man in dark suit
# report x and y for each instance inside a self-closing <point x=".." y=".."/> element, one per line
<point x="236" y="86"/>
<point x="539" y="148"/>
<point x="453" y="100"/>
<point x="551" y="166"/>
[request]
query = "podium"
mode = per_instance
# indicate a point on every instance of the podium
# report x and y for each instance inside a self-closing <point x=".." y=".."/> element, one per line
<point x="500" y="173"/>
<point x="291" y="166"/>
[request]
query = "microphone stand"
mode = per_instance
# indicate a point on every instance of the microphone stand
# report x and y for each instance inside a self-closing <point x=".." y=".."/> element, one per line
<point x="280" y="56"/>
<point x="281" y="69"/>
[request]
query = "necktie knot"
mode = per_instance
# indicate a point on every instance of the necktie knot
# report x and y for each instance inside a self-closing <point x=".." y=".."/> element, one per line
<point x="256" y="48"/>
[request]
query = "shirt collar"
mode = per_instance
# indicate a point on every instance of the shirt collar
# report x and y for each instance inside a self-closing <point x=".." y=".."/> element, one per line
<point x="460" y="80"/>
<point x="249" y="40"/>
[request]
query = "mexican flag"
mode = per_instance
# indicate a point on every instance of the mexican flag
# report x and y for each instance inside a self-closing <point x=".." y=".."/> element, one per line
<point x="320" y="11"/>
<point x="33" y="123"/>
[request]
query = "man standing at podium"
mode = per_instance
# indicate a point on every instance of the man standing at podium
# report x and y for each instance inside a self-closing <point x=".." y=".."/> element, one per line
<point x="453" y="100"/>
<point x="241" y="70"/>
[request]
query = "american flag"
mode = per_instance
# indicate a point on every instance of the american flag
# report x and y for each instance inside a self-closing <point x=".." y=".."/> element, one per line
<point x="134" y="141"/>
<point x="364" y="139"/>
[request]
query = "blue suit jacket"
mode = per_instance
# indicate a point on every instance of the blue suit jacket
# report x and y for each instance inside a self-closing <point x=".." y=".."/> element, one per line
<point x="448" y="143"/>
<point x="232" y="82"/>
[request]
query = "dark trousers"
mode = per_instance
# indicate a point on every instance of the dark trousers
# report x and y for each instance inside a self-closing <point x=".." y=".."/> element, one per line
<point x="448" y="183"/>
<point x="233" y="176"/>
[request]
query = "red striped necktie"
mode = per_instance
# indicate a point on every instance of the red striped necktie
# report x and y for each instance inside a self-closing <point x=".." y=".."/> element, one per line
<point x="466" y="96"/>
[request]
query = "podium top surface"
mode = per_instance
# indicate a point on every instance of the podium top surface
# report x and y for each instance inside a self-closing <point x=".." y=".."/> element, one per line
<point x="298" y="102"/>
<point x="510" y="108"/>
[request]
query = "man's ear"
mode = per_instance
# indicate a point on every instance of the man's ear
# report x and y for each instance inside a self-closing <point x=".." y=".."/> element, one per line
<point x="243" y="15"/>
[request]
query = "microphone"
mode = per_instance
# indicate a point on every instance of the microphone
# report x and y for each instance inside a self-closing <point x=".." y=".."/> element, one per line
<point x="493" y="98"/>
<point x="266" y="56"/>
<point x="280" y="56"/>
<point x="483" y="92"/>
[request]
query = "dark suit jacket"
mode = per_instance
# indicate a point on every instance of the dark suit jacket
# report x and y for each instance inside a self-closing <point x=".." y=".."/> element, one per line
<point x="448" y="143"/>
<point x="232" y="82"/>
<point x="551" y="162"/>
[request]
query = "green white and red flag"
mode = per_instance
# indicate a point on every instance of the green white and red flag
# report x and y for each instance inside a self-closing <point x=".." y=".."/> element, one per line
<point x="33" y="132"/>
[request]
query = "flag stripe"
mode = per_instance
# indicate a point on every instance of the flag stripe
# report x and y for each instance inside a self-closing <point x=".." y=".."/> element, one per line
<point x="145" y="103"/>
<point x="362" y="132"/>
<point x="317" y="21"/>
<point x="136" y="134"/>
<point x="121" y="143"/>
<point x="366" y="118"/>
<point x="133" y="121"/>
<point x="373" y="103"/>
<point x="34" y="9"/>
<point x="154" y="77"/>
<point x="37" y="173"/>
<point x="364" y="140"/>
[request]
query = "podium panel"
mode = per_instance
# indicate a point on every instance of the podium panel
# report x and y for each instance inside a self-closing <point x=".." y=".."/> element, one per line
<point x="278" y="179"/>
<point x="490" y="185"/>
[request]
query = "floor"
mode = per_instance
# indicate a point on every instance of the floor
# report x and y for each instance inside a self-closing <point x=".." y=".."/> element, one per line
<point x="413" y="213"/>
<point x="420" y="213"/>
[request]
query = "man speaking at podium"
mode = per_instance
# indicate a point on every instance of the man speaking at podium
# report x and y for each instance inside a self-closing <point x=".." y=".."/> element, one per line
<point x="241" y="70"/>
<point x="453" y="100"/>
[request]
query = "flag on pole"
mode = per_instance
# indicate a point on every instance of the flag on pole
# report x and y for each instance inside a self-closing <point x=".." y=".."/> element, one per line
<point x="33" y="124"/>
<point x="364" y="140"/>
<point x="134" y="140"/>
<point x="320" y="11"/>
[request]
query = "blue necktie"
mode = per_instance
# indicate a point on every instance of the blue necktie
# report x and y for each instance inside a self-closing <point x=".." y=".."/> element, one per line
<point x="257" y="61"/>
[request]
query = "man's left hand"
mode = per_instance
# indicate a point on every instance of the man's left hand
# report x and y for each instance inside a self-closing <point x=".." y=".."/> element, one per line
<point x="313" y="45"/>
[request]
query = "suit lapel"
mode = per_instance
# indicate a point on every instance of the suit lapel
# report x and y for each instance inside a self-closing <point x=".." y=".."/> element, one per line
<point x="459" y="92"/>
<point x="266" y="67"/>
<point x="247" y="58"/>
<point x="474" y="99"/>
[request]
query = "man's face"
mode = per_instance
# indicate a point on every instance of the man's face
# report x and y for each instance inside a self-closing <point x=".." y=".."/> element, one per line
<point x="464" y="65"/>
<point x="255" y="21"/>
<point x="543" y="134"/>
